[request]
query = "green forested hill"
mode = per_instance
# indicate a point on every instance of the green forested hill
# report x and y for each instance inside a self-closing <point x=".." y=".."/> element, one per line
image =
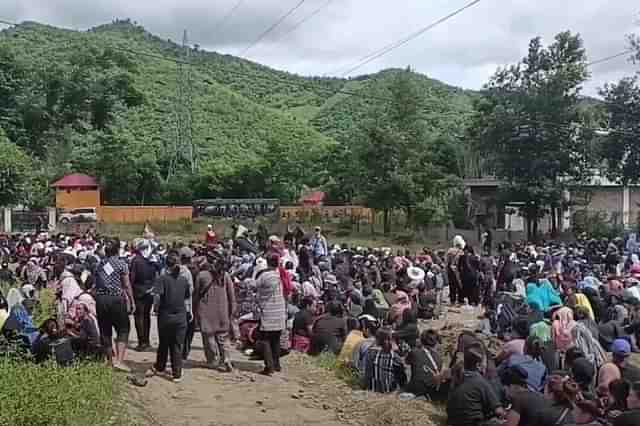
<point x="100" y="102"/>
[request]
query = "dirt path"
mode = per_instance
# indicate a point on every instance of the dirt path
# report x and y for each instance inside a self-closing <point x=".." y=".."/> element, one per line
<point x="303" y="394"/>
<point x="207" y="397"/>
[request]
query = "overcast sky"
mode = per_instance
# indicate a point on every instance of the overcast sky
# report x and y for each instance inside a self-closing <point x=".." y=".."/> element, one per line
<point x="463" y="51"/>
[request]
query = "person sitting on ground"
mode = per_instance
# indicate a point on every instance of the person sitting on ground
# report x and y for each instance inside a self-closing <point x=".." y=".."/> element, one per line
<point x="354" y="337"/>
<point x="369" y="326"/>
<point x="303" y="326"/>
<point x="582" y="317"/>
<point x="384" y="370"/>
<point x="613" y="327"/>
<point x="427" y="372"/>
<point x="618" y="367"/>
<point x="561" y="329"/>
<point x="562" y="393"/>
<point x="526" y="404"/>
<point x="615" y="397"/>
<point x="588" y="413"/>
<point x="531" y="362"/>
<point x="632" y="416"/>
<point x="515" y="346"/>
<point x="329" y="331"/>
<point x="473" y="401"/>
<point x="583" y="372"/>
<point x="406" y="333"/>
<point x="47" y="335"/>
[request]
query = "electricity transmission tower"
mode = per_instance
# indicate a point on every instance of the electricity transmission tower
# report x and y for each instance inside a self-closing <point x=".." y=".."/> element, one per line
<point x="184" y="151"/>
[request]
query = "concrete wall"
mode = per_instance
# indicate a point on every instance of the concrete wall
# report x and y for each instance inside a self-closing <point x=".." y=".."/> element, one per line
<point x="75" y="199"/>
<point x="607" y="200"/>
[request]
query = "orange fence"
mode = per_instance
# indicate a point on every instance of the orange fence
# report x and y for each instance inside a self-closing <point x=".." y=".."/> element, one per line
<point x="324" y="212"/>
<point x="142" y="214"/>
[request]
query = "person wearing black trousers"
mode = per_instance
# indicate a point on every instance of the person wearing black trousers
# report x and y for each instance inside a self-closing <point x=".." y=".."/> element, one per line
<point x="170" y="292"/>
<point x="142" y="276"/>
<point x="188" y="270"/>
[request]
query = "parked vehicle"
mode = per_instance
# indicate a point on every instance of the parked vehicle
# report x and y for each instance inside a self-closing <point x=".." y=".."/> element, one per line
<point x="87" y="214"/>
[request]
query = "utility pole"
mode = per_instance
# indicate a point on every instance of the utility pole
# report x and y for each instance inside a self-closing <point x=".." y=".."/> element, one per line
<point x="183" y="149"/>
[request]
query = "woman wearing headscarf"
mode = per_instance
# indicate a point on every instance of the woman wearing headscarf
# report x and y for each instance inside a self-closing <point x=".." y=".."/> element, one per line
<point x="14" y="297"/>
<point x="402" y="303"/>
<point x="33" y="274"/>
<point x="562" y="327"/>
<point x="541" y="291"/>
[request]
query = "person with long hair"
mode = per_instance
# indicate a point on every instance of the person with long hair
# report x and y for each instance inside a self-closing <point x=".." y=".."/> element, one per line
<point x="214" y="302"/>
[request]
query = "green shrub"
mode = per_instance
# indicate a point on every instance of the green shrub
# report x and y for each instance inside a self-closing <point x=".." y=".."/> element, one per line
<point x="35" y="395"/>
<point x="329" y="361"/>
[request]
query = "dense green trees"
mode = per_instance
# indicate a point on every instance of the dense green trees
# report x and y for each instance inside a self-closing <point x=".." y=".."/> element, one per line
<point x="526" y="123"/>
<point x="94" y="102"/>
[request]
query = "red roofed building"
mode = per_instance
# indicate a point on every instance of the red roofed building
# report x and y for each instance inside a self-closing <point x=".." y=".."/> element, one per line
<point x="314" y="198"/>
<point x="77" y="191"/>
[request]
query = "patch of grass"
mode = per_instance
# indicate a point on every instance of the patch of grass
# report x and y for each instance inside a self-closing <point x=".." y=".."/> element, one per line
<point x="329" y="361"/>
<point x="84" y="394"/>
<point x="46" y="308"/>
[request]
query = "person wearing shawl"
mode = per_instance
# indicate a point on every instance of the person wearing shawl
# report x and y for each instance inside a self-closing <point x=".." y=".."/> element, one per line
<point x="540" y="291"/>
<point x="14" y="297"/>
<point x="33" y="274"/>
<point x="562" y="327"/>
<point x="588" y="344"/>
<point x="20" y="321"/>
<point x="78" y="314"/>
<point x="402" y="303"/>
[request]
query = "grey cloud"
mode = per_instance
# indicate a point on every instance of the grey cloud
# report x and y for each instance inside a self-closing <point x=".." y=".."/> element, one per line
<point x="463" y="51"/>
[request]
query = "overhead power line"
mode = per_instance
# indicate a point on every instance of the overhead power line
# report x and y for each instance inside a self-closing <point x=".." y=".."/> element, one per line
<point x="222" y="21"/>
<point x="392" y="46"/>
<point x="609" y="58"/>
<point x="303" y="20"/>
<point x="271" y="28"/>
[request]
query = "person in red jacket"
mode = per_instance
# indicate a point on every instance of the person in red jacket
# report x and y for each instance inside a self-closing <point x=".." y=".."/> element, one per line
<point x="210" y="238"/>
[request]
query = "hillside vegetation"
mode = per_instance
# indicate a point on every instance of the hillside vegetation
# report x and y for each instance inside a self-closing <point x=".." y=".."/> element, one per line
<point x="104" y="102"/>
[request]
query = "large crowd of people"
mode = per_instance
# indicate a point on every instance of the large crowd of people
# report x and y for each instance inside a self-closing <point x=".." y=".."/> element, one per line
<point x="567" y="313"/>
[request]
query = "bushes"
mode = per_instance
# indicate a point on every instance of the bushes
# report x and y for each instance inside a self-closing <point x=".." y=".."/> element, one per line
<point x="34" y="395"/>
<point x="49" y="395"/>
<point x="329" y="361"/>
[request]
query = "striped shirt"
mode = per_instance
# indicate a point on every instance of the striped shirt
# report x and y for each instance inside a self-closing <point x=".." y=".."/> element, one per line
<point x="384" y="370"/>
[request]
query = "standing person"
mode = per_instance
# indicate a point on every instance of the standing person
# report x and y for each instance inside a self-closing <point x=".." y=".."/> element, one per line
<point x="271" y="311"/>
<point x="319" y="247"/>
<point x="453" y="272"/>
<point x="170" y="293"/>
<point x="469" y="266"/>
<point x="114" y="303"/>
<point x="142" y="276"/>
<point x="215" y="303"/>
<point x="188" y="271"/>
<point x="210" y="237"/>
<point x="487" y="241"/>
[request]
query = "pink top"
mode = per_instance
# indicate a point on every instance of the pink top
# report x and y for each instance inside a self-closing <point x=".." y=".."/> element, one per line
<point x="514" y="347"/>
